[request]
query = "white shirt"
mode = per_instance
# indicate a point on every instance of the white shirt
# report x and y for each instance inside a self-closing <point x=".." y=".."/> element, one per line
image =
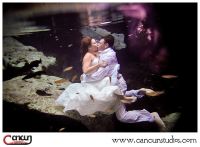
<point x="108" y="55"/>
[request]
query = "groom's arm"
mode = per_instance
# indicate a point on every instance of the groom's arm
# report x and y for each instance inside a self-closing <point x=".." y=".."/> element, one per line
<point x="110" y="58"/>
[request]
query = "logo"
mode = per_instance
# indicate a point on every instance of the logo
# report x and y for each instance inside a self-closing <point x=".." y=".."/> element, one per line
<point x="17" y="139"/>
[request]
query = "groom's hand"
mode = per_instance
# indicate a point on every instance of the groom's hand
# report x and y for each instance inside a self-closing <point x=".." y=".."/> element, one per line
<point x="103" y="64"/>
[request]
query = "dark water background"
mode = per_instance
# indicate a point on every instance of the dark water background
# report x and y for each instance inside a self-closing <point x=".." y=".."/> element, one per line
<point x="177" y="23"/>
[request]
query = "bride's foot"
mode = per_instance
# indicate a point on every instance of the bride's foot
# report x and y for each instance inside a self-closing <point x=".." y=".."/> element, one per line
<point x="150" y="92"/>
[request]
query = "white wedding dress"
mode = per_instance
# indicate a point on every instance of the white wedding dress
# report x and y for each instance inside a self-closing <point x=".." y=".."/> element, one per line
<point x="90" y="97"/>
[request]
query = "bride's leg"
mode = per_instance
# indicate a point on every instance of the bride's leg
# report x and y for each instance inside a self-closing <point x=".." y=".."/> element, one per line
<point x="129" y="99"/>
<point x="126" y="99"/>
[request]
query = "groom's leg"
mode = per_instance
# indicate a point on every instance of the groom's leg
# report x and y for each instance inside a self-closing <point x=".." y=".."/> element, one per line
<point x="121" y="83"/>
<point x="133" y="116"/>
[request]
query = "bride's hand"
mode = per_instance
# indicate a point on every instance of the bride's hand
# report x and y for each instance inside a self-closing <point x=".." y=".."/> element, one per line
<point x="103" y="64"/>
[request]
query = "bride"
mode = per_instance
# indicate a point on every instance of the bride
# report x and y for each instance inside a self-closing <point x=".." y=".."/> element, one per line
<point x="90" y="97"/>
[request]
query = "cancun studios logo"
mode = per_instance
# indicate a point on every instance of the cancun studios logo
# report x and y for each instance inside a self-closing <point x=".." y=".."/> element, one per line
<point x="17" y="139"/>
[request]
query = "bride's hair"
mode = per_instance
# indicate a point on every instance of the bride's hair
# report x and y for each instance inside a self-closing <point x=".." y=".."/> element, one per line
<point x="85" y="44"/>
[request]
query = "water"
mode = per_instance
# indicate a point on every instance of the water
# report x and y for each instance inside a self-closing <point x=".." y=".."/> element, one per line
<point x="141" y="64"/>
<point x="63" y="39"/>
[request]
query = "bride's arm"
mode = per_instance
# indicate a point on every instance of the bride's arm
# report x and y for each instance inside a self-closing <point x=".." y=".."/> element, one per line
<point x="86" y="64"/>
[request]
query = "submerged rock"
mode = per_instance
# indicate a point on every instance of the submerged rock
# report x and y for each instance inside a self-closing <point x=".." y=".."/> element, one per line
<point x="170" y="120"/>
<point x="17" y="56"/>
<point x="40" y="94"/>
<point x="97" y="33"/>
<point x="36" y="121"/>
<point x="29" y="91"/>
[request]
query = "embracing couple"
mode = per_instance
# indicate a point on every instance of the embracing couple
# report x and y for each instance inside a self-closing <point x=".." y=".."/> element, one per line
<point x="103" y="88"/>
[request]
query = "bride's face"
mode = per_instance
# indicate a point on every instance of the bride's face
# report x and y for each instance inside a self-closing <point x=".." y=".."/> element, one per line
<point x="93" y="47"/>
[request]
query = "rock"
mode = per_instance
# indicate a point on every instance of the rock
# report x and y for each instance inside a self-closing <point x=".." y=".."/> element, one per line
<point x="17" y="56"/>
<point x="29" y="91"/>
<point x="29" y="120"/>
<point x="40" y="94"/>
<point x="170" y="120"/>
<point x="10" y="45"/>
<point x="97" y="33"/>
<point x="100" y="123"/>
<point x="119" y="41"/>
<point x="88" y="31"/>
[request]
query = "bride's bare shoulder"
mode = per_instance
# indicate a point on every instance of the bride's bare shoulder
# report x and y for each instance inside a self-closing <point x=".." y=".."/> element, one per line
<point x="88" y="56"/>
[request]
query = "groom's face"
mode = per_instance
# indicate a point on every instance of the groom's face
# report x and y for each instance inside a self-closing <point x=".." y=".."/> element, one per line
<point x="102" y="45"/>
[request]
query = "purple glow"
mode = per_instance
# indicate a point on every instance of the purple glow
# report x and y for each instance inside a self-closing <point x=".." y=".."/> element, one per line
<point x="134" y="10"/>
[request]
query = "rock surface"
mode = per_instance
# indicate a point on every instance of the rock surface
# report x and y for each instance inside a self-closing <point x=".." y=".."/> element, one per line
<point x="18" y="56"/>
<point x="97" y="33"/>
<point x="40" y="94"/>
